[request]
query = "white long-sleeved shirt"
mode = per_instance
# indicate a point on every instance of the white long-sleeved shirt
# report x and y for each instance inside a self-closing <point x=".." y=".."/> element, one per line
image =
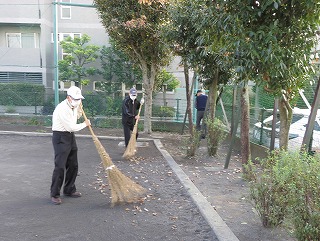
<point x="65" y="118"/>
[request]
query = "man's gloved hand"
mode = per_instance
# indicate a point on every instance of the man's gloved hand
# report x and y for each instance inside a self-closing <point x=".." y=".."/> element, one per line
<point x="142" y="101"/>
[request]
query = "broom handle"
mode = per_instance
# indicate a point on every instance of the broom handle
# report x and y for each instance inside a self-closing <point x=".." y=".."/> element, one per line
<point x="85" y="118"/>
<point x="139" y="111"/>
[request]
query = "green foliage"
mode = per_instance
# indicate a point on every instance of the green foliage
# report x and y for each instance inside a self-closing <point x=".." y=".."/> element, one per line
<point x="117" y="69"/>
<point x="10" y="109"/>
<point x="76" y="65"/>
<point x="34" y="122"/>
<point x="300" y="174"/>
<point x="215" y="135"/>
<point x="166" y="78"/>
<point x="100" y="104"/>
<point x="48" y="107"/>
<point x="287" y="186"/>
<point x="163" y="111"/>
<point x="113" y="106"/>
<point x="94" y="105"/>
<point x="107" y="123"/>
<point x="268" y="194"/>
<point x="272" y="40"/>
<point x="136" y="28"/>
<point x="193" y="143"/>
<point x="194" y="35"/>
<point x="21" y="94"/>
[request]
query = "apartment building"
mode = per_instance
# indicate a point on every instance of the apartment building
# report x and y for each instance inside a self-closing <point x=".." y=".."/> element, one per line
<point x="26" y="37"/>
<point x="27" y="43"/>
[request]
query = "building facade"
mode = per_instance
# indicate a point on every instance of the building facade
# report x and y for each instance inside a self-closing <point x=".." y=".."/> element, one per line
<point x="26" y="37"/>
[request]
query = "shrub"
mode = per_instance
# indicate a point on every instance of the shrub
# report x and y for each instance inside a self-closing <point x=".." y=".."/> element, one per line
<point x="163" y="111"/>
<point x="301" y="173"/>
<point x="48" y="107"/>
<point x="94" y="105"/>
<point x="10" y="109"/>
<point x="193" y="143"/>
<point x="288" y="186"/>
<point x="215" y="135"/>
<point x="268" y="195"/>
<point x="21" y="94"/>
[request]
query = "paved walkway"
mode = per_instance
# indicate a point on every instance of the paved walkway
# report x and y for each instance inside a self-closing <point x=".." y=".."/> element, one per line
<point x="25" y="171"/>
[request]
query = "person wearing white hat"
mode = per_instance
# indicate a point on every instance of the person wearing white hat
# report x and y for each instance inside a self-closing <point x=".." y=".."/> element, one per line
<point x="64" y="124"/>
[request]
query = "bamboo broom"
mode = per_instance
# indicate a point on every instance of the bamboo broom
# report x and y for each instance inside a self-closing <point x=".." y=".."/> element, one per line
<point x="132" y="145"/>
<point x="123" y="189"/>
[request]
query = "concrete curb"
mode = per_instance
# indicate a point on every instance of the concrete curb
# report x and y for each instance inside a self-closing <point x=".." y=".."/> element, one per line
<point x="219" y="227"/>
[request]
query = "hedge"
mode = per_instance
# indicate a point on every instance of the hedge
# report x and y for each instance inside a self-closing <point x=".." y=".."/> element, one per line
<point x="21" y="94"/>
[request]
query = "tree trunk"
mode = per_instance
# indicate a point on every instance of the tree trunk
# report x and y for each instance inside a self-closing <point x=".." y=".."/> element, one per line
<point x="213" y="95"/>
<point x="189" y="113"/>
<point x="245" y="125"/>
<point x="148" y="74"/>
<point x="285" y="111"/>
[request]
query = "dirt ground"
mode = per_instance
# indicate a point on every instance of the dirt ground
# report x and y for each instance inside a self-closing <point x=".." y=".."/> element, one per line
<point x="225" y="189"/>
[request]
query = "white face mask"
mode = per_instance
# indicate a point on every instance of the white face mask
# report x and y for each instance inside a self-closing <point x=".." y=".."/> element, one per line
<point x="75" y="103"/>
<point x="133" y="97"/>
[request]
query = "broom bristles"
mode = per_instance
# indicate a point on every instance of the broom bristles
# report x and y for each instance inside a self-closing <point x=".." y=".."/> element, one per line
<point x="132" y="145"/>
<point x="123" y="189"/>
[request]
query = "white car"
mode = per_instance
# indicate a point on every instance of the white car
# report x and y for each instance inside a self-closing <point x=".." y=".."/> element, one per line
<point x="297" y="130"/>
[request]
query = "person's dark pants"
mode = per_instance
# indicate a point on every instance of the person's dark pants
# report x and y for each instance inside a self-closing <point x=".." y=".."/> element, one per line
<point x="127" y="133"/>
<point x="200" y="115"/>
<point x="65" y="163"/>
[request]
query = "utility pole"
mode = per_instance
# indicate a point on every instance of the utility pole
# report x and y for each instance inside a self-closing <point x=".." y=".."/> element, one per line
<point x="55" y="53"/>
<point x="55" y="43"/>
<point x="311" y="121"/>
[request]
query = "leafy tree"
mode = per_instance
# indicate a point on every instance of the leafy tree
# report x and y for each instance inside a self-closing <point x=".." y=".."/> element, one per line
<point x="76" y="65"/>
<point x="166" y="78"/>
<point x="135" y="26"/>
<point x="271" y="42"/>
<point x="117" y="69"/>
<point x="179" y="33"/>
<point x="195" y="37"/>
<point x="190" y="33"/>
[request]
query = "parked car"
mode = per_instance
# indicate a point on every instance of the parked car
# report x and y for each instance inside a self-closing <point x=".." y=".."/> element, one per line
<point x="297" y="129"/>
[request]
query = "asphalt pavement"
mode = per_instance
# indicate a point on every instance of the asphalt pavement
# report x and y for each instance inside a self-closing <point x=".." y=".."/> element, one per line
<point x="173" y="209"/>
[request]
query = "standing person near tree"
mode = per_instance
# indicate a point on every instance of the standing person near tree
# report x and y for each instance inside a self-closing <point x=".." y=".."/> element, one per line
<point x="200" y="104"/>
<point x="130" y="107"/>
<point x="64" y="124"/>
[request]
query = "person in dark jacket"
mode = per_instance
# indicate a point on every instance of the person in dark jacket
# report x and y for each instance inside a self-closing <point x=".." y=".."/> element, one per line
<point x="130" y="107"/>
<point x="200" y="104"/>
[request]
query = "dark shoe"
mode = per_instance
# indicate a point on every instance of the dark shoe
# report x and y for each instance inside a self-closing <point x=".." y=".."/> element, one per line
<point x="56" y="200"/>
<point x="74" y="194"/>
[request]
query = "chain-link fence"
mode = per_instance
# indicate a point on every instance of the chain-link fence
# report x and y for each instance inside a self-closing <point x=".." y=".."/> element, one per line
<point x="174" y="110"/>
<point x="261" y="116"/>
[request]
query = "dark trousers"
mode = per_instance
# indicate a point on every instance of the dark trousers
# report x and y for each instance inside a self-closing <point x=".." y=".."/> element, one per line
<point x="200" y="115"/>
<point x="65" y="163"/>
<point x="127" y="133"/>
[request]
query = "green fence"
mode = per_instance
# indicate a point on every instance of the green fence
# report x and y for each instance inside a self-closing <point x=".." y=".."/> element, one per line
<point x="24" y="100"/>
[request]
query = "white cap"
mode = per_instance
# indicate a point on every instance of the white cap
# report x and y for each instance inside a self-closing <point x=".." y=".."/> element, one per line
<point x="75" y="93"/>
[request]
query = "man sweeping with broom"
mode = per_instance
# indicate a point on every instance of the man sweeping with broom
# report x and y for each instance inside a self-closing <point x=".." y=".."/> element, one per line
<point x="64" y="124"/>
<point x="130" y="108"/>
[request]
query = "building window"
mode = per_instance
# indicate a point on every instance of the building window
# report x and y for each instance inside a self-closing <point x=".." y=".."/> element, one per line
<point x="13" y="40"/>
<point x="65" y="10"/>
<point x="65" y="85"/>
<point x="21" y="40"/>
<point x="63" y="36"/>
<point x="66" y="35"/>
